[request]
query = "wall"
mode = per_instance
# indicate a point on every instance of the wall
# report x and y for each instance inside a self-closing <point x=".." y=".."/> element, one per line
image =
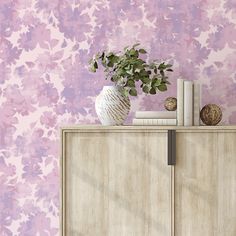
<point x="44" y="81"/>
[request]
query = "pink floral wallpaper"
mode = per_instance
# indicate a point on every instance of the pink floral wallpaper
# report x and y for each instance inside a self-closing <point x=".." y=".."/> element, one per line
<point x="44" y="82"/>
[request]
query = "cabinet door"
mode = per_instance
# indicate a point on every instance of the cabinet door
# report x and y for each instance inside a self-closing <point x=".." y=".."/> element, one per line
<point x="116" y="184"/>
<point x="205" y="184"/>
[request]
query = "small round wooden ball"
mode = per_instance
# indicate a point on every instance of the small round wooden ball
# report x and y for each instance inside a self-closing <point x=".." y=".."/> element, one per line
<point x="211" y="114"/>
<point x="170" y="104"/>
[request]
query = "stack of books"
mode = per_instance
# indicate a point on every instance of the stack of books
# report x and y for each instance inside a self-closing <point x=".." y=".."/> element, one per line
<point x="188" y="103"/>
<point x="188" y="108"/>
<point x="155" y="118"/>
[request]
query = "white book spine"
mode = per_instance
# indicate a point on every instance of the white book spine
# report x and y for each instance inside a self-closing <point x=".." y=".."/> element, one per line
<point x="137" y="121"/>
<point x="196" y="104"/>
<point x="188" y="103"/>
<point x="180" y="102"/>
<point x="154" y="122"/>
<point x="155" y="114"/>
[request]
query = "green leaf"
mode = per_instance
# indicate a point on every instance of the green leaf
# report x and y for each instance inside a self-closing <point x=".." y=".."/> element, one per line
<point x="125" y="92"/>
<point x="130" y="83"/>
<point x="110" y="64"/>
<point x="133" y="92"/>
<point x="113" y="58"/>
<point x="156" y="82"/>
<point x="142" y="51"/>
<point x="136" y="77"/>
<point x="161" y="66"/>
<point x="92" y="68"/>
<point x="102" y="56"/>
<point x="162" y="87"/>
<point x="136" y="45"/>
<point x="152" y="91"/>
<point x="145" y="80"/>
<point x="146" y="89"/>
<point x="132" y="52"/>
<point x="115" y="78"/>
<point x="95" y="64"/>
<point x="130" y="72"/>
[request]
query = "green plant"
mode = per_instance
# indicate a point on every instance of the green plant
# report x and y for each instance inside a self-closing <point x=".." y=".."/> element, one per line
<point x="127" y="68"/>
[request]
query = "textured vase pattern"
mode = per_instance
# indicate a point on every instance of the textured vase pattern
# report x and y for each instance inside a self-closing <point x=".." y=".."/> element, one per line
<point x="112" y="106"/>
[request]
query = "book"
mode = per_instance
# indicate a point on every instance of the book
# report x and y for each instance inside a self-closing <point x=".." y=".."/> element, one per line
<point x="196" y="103"/>
<point x="180" y="102"/>
<point x="155" y="114"/>
<point x="188" y="103"/>
<point x="154" y="121"/>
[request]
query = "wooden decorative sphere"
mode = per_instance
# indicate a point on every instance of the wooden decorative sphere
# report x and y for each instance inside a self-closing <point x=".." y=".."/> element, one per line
<point x="170" y="104"/>
<point x="211" y="114"/>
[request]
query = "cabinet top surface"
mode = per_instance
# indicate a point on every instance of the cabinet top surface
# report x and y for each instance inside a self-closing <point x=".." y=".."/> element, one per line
<point x="148" y="128"/>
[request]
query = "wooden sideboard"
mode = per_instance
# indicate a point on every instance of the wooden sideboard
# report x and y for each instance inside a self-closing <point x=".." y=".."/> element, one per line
<point x="119" y="181"/>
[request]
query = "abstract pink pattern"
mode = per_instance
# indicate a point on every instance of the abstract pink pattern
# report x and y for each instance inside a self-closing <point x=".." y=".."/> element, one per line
<point x="44" y="82"/>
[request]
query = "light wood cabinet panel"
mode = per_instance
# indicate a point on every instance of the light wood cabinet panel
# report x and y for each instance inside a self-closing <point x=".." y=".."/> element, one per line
<point x="205" y="184"/>
<point x="116" y="183"/>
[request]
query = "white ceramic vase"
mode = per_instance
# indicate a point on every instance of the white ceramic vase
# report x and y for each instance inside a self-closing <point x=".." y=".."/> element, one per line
<point x="112" y="106"/>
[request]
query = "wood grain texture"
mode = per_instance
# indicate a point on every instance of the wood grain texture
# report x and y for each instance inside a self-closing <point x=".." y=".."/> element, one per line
<point x="155" y="128"/>
<point x="116" y="184"/>
<point x="205" y="184"/>
<point x="128" y="189"/>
